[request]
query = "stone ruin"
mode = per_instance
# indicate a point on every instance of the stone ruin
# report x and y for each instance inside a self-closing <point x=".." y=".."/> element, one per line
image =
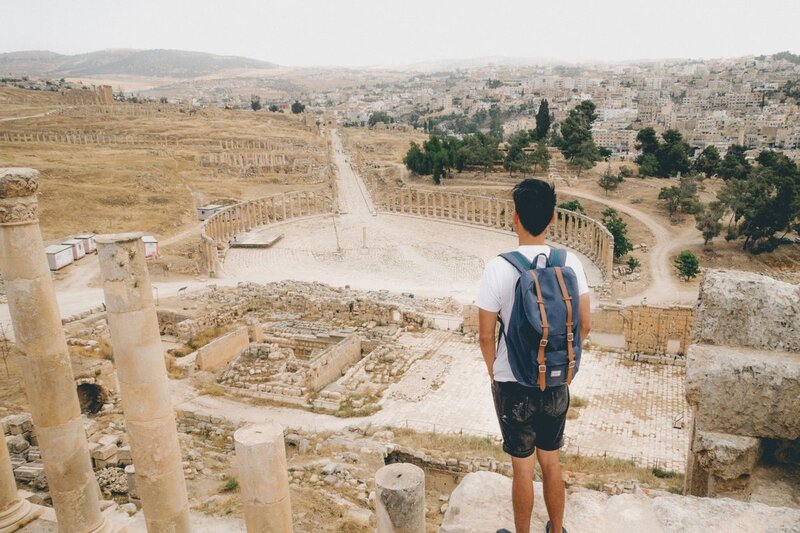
<point x="743" y="384"/>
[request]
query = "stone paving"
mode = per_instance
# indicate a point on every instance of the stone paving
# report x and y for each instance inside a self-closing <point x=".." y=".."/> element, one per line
<point x="630" y="409"/>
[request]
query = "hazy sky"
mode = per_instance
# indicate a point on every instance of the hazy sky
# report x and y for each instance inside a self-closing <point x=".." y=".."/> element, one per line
<point x="367" y="32"/>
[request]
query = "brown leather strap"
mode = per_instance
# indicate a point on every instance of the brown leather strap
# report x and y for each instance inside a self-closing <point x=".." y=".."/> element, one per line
<point x="570" y="335"/>
<point x="540" y="358"/>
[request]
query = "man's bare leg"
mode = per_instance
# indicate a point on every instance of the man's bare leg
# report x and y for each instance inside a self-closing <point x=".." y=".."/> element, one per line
<point x="522" y="492"/>
<point x="553" y="484"/>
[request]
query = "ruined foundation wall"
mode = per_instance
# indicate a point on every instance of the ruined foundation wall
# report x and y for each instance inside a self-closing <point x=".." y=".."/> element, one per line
<point x="329" y="365"/>
<point x="218" y="353"/>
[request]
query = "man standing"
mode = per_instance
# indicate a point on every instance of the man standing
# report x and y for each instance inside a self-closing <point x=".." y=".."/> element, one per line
<point x="531" y="420"/>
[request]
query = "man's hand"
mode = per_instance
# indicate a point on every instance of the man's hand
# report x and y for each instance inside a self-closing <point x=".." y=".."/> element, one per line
<point x="487" y="324"/>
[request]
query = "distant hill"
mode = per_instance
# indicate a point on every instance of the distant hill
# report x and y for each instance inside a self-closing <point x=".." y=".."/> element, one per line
<point x="152" y="63"/>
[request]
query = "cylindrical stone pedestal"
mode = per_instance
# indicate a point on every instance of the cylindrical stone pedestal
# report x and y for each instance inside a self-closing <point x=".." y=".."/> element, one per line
<point x="14" y="511"/>
<point x="263" y="477"/>
<point x="143" y="383"/>
<point x="49" y="384"/>
<point x="400" y="499"/>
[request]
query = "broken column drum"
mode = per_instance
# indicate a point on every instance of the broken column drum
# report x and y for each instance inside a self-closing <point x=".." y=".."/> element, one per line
<point x="49" y="383"/>
<point x="400" y="498"/>
<point x="14" y="510"/>
<point x="263" y="477"/>
<point x="143" y="382"/>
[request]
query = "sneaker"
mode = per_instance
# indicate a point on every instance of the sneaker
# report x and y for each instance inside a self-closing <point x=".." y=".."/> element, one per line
<point x="549" y="525"/>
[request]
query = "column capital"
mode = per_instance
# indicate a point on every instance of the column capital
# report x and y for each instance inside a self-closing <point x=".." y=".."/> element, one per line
<point x="18" y="203"/>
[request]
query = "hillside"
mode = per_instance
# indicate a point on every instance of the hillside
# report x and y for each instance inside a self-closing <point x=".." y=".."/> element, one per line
<point x="152" y="63"/>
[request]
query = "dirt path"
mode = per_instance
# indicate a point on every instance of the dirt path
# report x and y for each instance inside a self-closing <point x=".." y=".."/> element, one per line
<point x="11" y="119"/>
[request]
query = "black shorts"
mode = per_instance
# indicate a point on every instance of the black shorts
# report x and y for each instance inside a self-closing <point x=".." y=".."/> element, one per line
<point x="530" y="418"/>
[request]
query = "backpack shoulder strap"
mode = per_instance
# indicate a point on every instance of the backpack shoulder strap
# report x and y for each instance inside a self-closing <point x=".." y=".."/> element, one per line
<point x="558" y="257"/>
<point x="517" y="260"/>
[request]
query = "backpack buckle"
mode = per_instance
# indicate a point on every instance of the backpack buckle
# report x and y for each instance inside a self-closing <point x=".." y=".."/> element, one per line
<point x="543" y="342"/>
<point x="571" y="364"/>
<point x="570" y="336"/>
<point x="542" y="369"/>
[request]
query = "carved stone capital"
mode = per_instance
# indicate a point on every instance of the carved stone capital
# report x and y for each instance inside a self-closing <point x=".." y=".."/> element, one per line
<point x="20" y="210"/>
<point x="18" y="182"/>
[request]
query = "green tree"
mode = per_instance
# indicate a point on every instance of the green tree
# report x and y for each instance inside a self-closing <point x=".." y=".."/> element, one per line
<point x="648" y="165"/>
<point x="543" y="120"/>
<point x="255" y="102"/>
<point x="735" y="165"/>
<point x="609" y="181"/>
<point x="708" y="161"/>
<point x="576" y="134"/>
<point x="297" y="107"/>
<point x="633" y="263"/>
<point x="572" y="205"/>
<point x="681" y="197"/>
<point x="673" y="154"/>
<point x="709" y="221"/>
<point x="619" y="230"/>
<point x="516" y="159"/>
<point x="647" y="141"/>
<point x="540" y="157"/>
<point x="273" y="108"/>
<point x="687" y="264"/>
<point x="379" y="116"/>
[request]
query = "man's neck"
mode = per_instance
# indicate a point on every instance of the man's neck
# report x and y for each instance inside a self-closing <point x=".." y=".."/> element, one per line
<point x="531" y="240"/>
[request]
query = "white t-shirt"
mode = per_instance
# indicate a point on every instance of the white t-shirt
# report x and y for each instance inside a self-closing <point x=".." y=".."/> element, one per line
<point x="496" y="294"/>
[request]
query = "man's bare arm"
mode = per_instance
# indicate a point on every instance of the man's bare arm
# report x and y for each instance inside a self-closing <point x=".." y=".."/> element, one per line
<point x="585" y="313"/>
<point x="487" y="324"/>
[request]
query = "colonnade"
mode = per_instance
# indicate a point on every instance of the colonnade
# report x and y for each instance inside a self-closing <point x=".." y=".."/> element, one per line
<point x="222" y="227"/>
<point x="570" y="229"/>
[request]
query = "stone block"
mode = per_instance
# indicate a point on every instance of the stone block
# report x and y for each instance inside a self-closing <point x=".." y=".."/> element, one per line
<point x="124" y="455"/>
<point x="20" y="424"/>
<point x="742" y="391"/>
<point x="16" y="444"/>
<point x="726" y="456"/>
<point x="746" y="309"/>
<point x="104" y="452"/>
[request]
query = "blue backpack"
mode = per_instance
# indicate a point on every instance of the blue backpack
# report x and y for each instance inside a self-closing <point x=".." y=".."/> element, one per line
<point x="543" y="334"/>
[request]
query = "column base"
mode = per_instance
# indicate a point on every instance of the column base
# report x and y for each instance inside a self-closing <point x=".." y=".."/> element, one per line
<point x="18" y="516"/>
<point x="106" y="527"/>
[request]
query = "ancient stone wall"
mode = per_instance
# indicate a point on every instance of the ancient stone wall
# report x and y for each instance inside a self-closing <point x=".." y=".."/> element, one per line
<point x="215" y="355"/>
<point x="220" y="228"/>
<point x="648" y="329"/>
<point x="570" y="229"/>
<point x="742" y="382"/>
<point x="328" y="366"/>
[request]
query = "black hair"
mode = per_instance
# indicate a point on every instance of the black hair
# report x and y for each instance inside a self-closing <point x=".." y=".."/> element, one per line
<point x="535" y="202"/>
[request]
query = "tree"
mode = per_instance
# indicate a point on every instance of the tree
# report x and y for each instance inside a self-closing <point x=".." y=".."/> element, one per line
<point x="572" y="205"/>
<point x="543" y="120"/>
<point x="540" y="157"/>
<point x="735" y="165"/>
<point x="647" y="141"/>
<point x="709" y="221"/>
<point x="609" y="181"/>
<point x="619" y="230"/>
<point x="687" y="264"/>
<point x="516" y="159"/>
<point x="673" y="154"/>
<point x="298" y="108"/>
<point x="681" y="197"/>
<point x="415" y="160"/>
<point x="648" y="164"/>
<point x="273" y="108"/>
<point x="255" y="102"/>
<point x="633" y="263"/>
<point x="625" y="172"/>
<point x="576" y="133"/>
<point x="379" y="116"/>
<point x="708" y="161"/>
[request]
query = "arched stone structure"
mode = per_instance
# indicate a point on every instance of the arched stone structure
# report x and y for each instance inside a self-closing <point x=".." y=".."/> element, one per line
<point x="219" y="229"/>
<point x="571" y="229"/>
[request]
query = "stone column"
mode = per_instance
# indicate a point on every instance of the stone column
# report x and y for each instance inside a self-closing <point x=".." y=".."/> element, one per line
<point x="262" y="473"/>
<point x="15" y="511"/>
<point x="143" y="383"/>
<point x="49" y="384"/>
<point x="400" y="499"/>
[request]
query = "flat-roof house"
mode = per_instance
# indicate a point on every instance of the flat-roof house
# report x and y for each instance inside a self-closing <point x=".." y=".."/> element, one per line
<point x="78" y="251"/>
<point x="150" y="246"/>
